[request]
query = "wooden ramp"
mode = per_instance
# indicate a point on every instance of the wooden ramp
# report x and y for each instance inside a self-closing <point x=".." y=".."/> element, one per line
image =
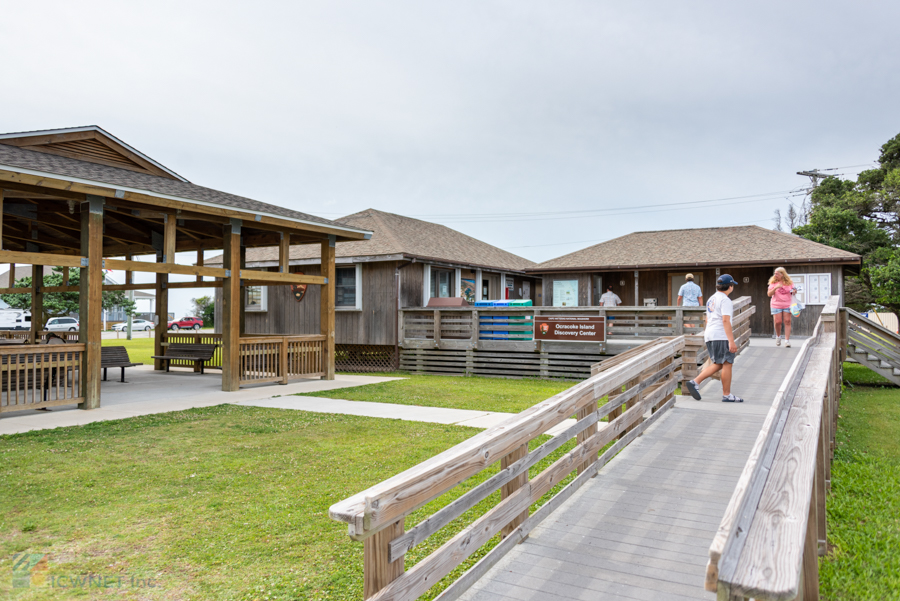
<point x="642" y="528"/>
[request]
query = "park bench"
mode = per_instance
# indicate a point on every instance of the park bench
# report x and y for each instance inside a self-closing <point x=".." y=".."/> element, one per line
<point x="115" y="356"/>
<point x="198" y="353"/>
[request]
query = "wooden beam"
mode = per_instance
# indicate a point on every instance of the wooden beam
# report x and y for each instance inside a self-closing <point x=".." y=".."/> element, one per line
<point x="200" y="262"/>
<point x="37" y="303"/>
<point x="284" y="278"/>
<point x="164" y="268"/>
<point x="215" y="284"/>
<point x="11" y="278"/>
<point x="326" y="305"/>
<point x="231" y="302"/>
<point x="52" y="259"/>
<point x="91" y="299"/>
<point x="284" y="253"/>
<point x="169" y="233"/>
<point x="1" y="219"/>
<point x="162" y="312"/>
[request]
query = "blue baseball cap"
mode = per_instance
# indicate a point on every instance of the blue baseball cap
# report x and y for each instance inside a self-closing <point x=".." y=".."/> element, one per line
<point x="726" y="280"/>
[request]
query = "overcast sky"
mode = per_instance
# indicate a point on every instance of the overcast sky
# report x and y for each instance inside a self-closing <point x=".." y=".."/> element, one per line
<point x="504" y="120"/>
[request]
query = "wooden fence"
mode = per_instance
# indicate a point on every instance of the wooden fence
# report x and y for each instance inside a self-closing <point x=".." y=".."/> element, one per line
<point x="25" y="336"/>
<point x="40" y="375"/>
<point x="281" y="358"/>
<point x="644" y="382"/>
<point x="774" y="528"/>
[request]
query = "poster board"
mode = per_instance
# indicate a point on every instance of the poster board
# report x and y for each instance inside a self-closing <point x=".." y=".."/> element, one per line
<point x="565" y="293"/>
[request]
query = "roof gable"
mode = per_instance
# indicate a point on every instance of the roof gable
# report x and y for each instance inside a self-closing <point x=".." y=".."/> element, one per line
<point x="91" y="144"/>
<point x="695" y="247"/>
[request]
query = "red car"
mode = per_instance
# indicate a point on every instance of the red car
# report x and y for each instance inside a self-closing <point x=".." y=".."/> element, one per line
<point x="186" y="323"/>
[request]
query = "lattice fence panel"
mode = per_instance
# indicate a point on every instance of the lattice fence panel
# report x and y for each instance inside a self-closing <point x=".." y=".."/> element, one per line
<point x="365" y="357"/>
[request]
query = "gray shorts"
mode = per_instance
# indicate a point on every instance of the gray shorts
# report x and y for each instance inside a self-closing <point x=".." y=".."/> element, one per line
<point x="718" y="352"/>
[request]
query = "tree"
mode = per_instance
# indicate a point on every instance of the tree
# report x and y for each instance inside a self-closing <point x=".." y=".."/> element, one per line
<point x="863" y="217"/>
<point x="58" y="304"/>
<point x="205" y="308"/>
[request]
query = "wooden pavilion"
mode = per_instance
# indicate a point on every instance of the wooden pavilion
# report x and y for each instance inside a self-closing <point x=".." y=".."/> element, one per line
<point x="81" y="198"/>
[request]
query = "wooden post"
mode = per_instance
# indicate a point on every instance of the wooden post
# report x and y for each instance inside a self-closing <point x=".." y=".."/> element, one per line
<point x="243" y="303"/>
<point x="231" y="304"/>
<point x="437" y="329"/>
<point x="819" y="494"/>
<point x="91" y="299"/>
<point x="378" y="571"/>
<point x="590" y="431"/>
<point x="1" y="226"/>
<point x="284" y="253"/>
<point x="37" y="303"/>
<point x="326" y="306"/>
<point x="12" y="276"/>
<point x="65" y="281"/>
<point x="200" y="262"/>
<point x="283" y="360"/>
<point x="809" y="576"/>
<point x="512" y="486"/>
<point x="162" y="315"/>
<point x="679" y="322"/>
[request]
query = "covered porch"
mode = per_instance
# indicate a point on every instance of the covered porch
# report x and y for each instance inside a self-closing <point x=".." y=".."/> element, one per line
<point x="59" y="211"/>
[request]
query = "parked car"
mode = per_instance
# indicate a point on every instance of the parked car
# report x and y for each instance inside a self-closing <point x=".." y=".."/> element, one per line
<point x="136" y="324"/>
<point x="186" y="323"/>
<point x="61" y="324"/>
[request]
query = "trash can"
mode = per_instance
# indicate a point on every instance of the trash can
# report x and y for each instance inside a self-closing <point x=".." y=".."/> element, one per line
<point x="516" y="320"/>
<point x="485" y="320"/>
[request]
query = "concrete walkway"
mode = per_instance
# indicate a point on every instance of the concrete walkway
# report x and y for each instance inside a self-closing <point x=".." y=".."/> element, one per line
<point x="147" y="392"/>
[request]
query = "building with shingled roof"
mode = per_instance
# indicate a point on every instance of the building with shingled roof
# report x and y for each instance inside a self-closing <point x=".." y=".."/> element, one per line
<point x="406" y="263"/>
<point x="647" y="268"/>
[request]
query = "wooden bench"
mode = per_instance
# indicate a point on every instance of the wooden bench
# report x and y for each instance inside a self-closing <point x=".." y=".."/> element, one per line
<point x="115" y="356"/>
<point x="198" y="353"/>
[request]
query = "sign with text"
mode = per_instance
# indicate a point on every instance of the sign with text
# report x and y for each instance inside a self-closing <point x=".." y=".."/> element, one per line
<point x="575" y="328"/>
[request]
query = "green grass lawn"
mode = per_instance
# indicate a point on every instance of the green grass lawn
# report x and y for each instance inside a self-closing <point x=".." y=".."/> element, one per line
<point x="223" y="503"/>
<point x="854" y="373"/>
<point x="864" y="505"/>
<point x="139" y="349"/>
<point x="455" y="392"/>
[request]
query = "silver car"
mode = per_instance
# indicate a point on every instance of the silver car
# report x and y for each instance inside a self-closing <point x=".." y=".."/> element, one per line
<point x="61" y="324"/>
<point x="136" y="325"/>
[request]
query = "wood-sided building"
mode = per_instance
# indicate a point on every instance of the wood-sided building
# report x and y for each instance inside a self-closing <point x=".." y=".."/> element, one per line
<point x="648" y="268"/>
<point x="406" y="263"/>
<point x="82" y="198"/>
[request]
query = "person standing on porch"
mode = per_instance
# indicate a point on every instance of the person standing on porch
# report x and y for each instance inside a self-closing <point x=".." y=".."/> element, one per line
<point x="781" y="287"/>
<point x="719" y="338"/>
<point x="610" y="298"/>
<point x="690" y="295"/>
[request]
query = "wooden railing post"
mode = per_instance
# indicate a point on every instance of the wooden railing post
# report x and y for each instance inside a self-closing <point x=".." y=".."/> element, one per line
<point x="378" y="570"/>
<point x="283" y="360"/>
<point x="809" y="576"/>
<point x="679" y="322"/>
<point x="512" y="486"/>
<point x="437" y="329"/>
<point x="590" y="431"/>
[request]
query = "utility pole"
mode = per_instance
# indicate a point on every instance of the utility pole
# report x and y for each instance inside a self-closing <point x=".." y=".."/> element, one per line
<point x="814" y="176"/>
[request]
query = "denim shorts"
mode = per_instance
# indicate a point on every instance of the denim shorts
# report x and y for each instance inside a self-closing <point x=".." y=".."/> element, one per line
<point x="777" y="311"/>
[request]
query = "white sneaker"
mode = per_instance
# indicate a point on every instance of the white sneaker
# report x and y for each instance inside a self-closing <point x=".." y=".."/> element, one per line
<point x="778" y="341"/>
<point x="787" y="343"/>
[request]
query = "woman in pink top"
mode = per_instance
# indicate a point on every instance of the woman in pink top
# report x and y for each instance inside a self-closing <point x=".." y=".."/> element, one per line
<point x="780" y="289"/>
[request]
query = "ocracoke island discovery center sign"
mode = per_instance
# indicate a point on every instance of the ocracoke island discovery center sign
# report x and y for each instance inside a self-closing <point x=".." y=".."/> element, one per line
<point x="575" y="328"/>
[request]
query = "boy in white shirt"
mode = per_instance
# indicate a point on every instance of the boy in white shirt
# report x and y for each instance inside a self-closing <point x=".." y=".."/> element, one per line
<point x="719" y="338"/>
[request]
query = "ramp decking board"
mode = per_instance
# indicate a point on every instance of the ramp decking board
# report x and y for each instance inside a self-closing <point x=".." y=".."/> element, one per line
<point x="641" y="529"/>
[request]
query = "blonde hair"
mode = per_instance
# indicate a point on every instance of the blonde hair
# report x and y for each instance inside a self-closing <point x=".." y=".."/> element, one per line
<point x="784" y="276"/>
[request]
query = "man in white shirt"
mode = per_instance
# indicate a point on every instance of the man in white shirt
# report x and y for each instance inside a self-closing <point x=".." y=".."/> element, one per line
<point x="690" y="294"/>
<point x="719" y="338"/>
<point x="610" y="298"/>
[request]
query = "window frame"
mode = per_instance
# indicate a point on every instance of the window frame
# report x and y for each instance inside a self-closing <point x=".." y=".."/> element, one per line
<point x="263" y="300"/>
<point x="357" y="306"/>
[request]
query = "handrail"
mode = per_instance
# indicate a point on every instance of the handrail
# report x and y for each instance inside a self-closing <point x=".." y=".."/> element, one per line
<point x="645" y="382"/>
<point x="767" y="543"/>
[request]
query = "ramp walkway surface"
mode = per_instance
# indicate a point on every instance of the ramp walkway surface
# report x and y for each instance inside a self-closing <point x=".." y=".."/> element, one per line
<point x="641" y="529"/>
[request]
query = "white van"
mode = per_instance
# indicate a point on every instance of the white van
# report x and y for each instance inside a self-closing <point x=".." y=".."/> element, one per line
<point x="15" y="319"/>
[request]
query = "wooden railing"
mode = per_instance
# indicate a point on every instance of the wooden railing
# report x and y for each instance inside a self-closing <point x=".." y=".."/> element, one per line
<point x="512" y="328"/>
<point x="695" y="353"/>
<point x="643" y="382"/>
<point x="774" y="528"/>
<point x="281" y="358"/>
<point x="182" y="337"/>
<point x="25" y="336"/>
<point x="40" y="375"/>
<point x="872" y="345"/>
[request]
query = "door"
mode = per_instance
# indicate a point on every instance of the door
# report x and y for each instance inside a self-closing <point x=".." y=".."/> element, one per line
<point x="676" y="281"/>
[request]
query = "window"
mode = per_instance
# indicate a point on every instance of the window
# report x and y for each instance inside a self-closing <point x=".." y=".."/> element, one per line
<point x="348" y="290"/>
<point x="257" y="298"/>
<point x="812" y="288"/>
<point x="442" y="281"/>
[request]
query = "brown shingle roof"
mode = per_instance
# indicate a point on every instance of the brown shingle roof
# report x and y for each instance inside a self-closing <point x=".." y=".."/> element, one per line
<point x="13" y="157"/>
<point x="399" y="235"/>
<point x="703" y="246"/>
